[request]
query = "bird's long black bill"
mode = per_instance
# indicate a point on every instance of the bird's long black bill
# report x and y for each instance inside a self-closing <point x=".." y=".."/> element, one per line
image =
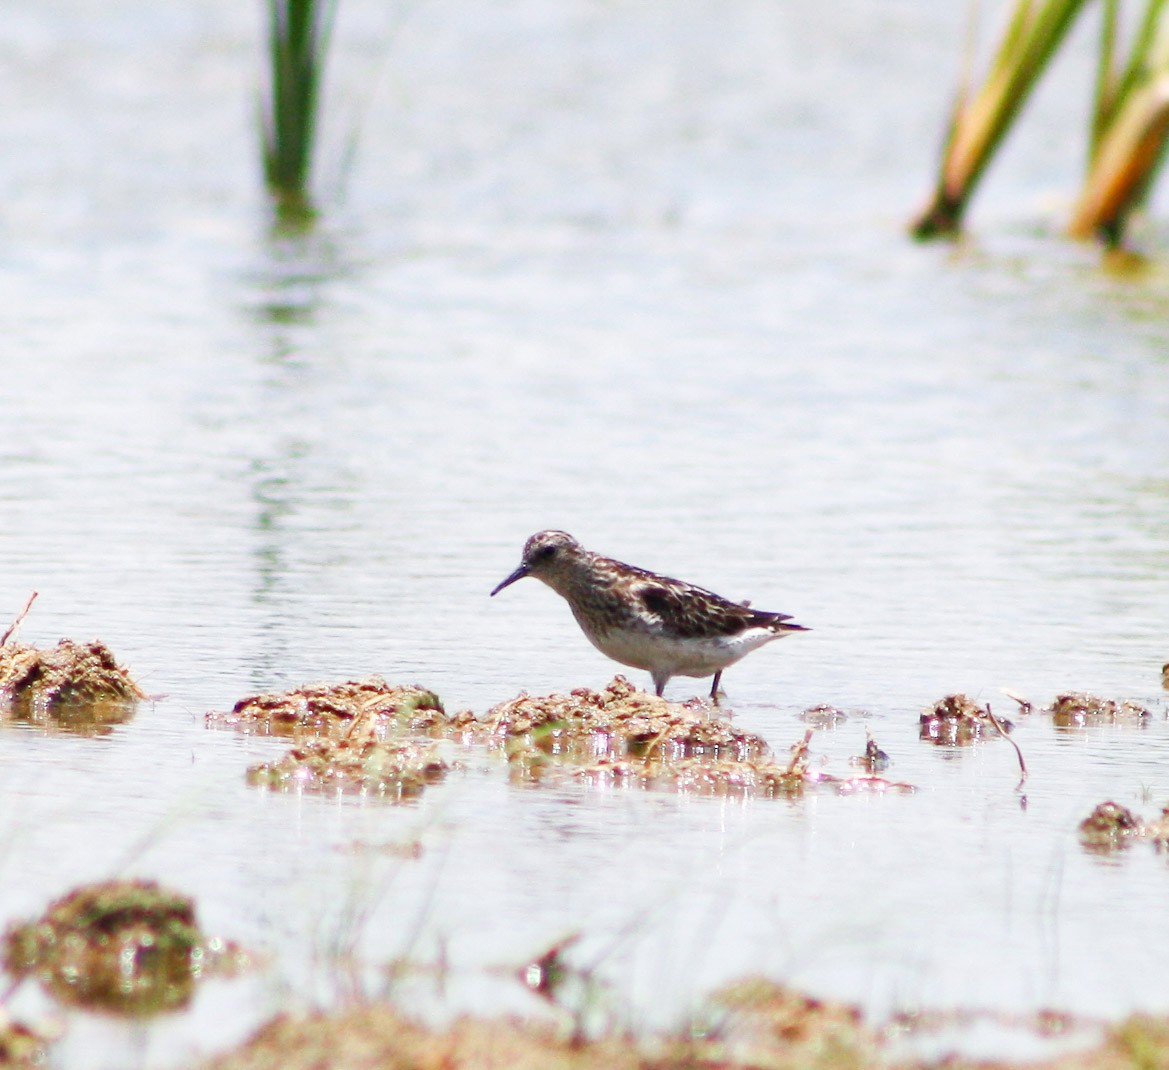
<point x="519" y="574"/>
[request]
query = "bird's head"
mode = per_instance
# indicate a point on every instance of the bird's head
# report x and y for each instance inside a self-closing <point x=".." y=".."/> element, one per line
<point x="547" y="555"/>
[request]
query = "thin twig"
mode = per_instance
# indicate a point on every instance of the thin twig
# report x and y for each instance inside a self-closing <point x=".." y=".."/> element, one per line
<point x="1025" y="706"/>
<point x="1003" y="732"/>
<point x="12" y="628"/>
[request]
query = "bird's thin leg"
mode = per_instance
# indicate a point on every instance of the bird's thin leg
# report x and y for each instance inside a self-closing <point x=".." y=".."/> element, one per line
<point x="714" y="687"/>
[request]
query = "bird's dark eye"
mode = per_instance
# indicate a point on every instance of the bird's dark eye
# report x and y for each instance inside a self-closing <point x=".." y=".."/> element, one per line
<point x="547" y="553"/>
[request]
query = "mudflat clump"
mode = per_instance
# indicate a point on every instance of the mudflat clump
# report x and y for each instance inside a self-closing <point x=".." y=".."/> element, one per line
<point x="1077" y="709"/>
<point x="824" y="715"/>
<point x="334" y="709"/>
<point x="757" y="1020"/>
<point x="394" y="771"/>
<point x="351" y="737"/>
<point x="75" y="686"/>
<point x="759" y="1025"/>
<point x="702" y="776"/>
<point x="126" y="946"/>
<point x="958" y="721"/>
<point x="750" y="1025"/>
<point x="1140" y="1041"/>
<point x="21" y="1046"/>
<point x="626" y="737"/>
<point x="376" y="1036"/>
<point x="620" y="722"/>
<point x="1111" y="826"/>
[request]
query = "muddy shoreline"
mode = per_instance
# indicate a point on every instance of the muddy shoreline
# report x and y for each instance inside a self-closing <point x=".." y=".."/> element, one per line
<point x="133" y="949"/>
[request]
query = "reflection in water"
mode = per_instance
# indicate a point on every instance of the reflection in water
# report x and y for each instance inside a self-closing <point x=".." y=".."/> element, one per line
<point x="274" y="496"/>
<point x="127" y="947"/>
<point x="299" y="265"/>
<point x="92" y="718"/>
<point x="292" y="282"/>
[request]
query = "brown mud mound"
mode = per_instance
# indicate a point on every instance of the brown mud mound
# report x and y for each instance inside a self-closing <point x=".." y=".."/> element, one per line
<point x="619" y="722"/>
<point x="125" y="946"/>
<point x="702" y="776"/>
<point x="334" y="709"/>
<point x="378" y="1037"/>
<point x="21" y="1046"/>
<point x="395" y="772"/>
<point x="761" y="777"/>
<point x="1111" y="826"/>
<point x="757" y="1024"/>
<point x="625" y="737"/>
<point x="751" y="1025"/>
<point x="958" y="721"/>
<point x="1077" y="709"/>
<point x="350" y="738"/>
<point x="761" y="1023"/>
<point x="824" y="715"/>
<point x="75" y="686"/>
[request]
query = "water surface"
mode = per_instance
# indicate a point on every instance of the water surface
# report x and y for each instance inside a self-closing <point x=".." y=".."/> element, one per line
<point x="635" y="271"/>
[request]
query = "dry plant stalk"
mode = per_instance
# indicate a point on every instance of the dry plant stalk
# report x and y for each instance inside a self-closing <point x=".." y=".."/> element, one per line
<point x="1003" y="732"/>
<point x="15" y="625"/>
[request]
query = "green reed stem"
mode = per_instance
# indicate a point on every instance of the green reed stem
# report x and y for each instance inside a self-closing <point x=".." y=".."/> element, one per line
<point x="1130" y="126"/>
<point x="298" y="33"/>
<point x="1105" y="74"/>
<point x="980" y="122"/>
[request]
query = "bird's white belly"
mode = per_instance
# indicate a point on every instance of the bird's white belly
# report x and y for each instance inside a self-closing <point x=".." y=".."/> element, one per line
<point x="679" y="657"/>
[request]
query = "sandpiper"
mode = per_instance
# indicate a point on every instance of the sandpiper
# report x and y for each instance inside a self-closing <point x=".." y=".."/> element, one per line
<point x="636" y="617"/>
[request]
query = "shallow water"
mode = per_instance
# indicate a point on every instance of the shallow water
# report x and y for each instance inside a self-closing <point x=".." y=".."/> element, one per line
<point x="634" y="271"/>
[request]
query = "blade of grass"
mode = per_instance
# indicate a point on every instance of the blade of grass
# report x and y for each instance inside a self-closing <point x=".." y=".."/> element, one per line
<point x="1139" y="66"/>
<point x="1105" y="74"/>
<point x="298" y="35"/>
<point x="1126" y="162"/>
<point x="1129" y="134"/>
<point x="1032" y="37"/>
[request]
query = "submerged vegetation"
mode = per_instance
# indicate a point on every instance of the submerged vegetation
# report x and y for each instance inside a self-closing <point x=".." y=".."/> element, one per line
<point x="333" y="709"/>
<point x="625" y="736"/>
<point x="351" y="738"/>
<point x="374" y="739"/>
<point x="125" y="946"/>
<point x="1110" y="826"/>
<point x="298" y="37"/>
<point x="393" y="771"/>
<point x="1127" y="128"/>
